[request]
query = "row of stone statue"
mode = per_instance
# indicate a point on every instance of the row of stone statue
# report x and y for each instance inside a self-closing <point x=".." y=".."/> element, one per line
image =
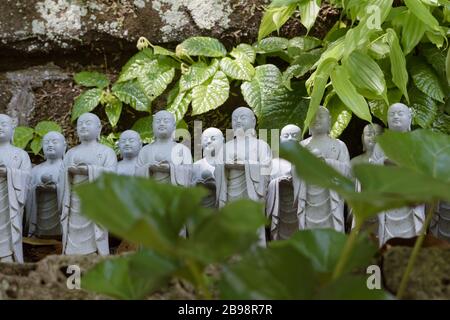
<point x="240" y="168"/>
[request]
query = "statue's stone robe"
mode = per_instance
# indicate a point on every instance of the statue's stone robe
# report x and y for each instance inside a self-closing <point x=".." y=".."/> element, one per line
<point x="90" y="237"/>
<point x="13" y="193"/>
<point x="281" y="207"/>
<point x="127" y="168"/>
<point x="44" y="206"/>
<point x="203" y="174"/>
<point x="319" y="207"/>
<point x="440" y="224"/>
<point x="406" y="222"/>
<point x="179" y="171"/>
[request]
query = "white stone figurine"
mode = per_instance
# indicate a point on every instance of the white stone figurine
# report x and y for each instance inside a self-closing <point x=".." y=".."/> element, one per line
<point x="44" y="203"/>
<point x="404" y="222"/>
<point x="245" y="173"/>
<point x="203" y="169"/>
<point x="164" y="159"/>
<point x="319" y="207"/>
<point x="280" y="202"/>
<point x="84" y="163"/>
<point x="440" y="224"/>
<point x="130" y="144"/>
<point x="369" y="135"/>
<point x="15" y="170"/>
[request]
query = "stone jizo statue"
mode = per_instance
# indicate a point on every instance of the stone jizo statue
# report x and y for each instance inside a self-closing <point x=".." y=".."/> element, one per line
<point x="440" y="224"/>
<point x="319" y="207"/>
<point x="203" y="169"/>
<point x="15" y="170"/>
<point x="84" y="163"/>
<point x="404" y="222"/>
<point x="246" y="171"/>
<point x="280" y="202"/>
<point x="44" y="202"/>
<point x="164" y="159"/>
<point x="130" y="144"/>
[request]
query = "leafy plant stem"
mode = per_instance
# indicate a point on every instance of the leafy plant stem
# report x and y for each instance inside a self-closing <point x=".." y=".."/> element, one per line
<point x="199" y="279"/>
<point x="415" y="252"/>
<point x="346" y="252"/>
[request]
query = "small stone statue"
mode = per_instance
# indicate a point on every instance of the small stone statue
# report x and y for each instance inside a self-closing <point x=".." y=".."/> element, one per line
<point x="319" y="207"/>
<point x="280" y="201"/>
<point x="203" y="170"/>
<point x="440" y="224"/>
<point x="404" y="222"/>
<point x="370" y="132"/>
<point x="84" y="163"/>
<point x="165" y="160"/>
<point x="15" y="170"/>
<point x="44" y="201"/>
<point x="130" y="144"/>
<point x="246" y="171"/>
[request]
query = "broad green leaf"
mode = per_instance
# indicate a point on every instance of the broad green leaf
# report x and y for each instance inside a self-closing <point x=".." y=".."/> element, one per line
<point x="22" y="136"/>
<point x="198" y="73"/>
<point x="323" y="247"/>
<point x="237" y="69"/>
<point x="304" y="43"/>
<point x="320" y="82"/>
<point x="211" y="94"/>
<point x="272" y="44"/>
<point x="437" y="37"/>
<point x="272" y="273"/>
<point x="348" y="94"/>
<point x="378" y="49"/>
<point x="412" y="32"/>
<point x="379" y="108"/>
<point x="442" y="123"/>
<point x="180" y="105"/>
<point x="219" y="229"/>
<point x="309" y="10"/>
<point x="424" y="108"/>
<point x="157" y="50"/>
<point x="244" y="52"/>
<point x="138" y="67"/>
<point x="447" y="66"/>
<point x="426" y="80"/>
<point x="154" y="83"/>
<point x="398" y="62"/>
<point x="421" y="11"/>
<point x="141" y="210"/>
<point x="282" y="3"/>
<point x="434" y="57"/>
<point x="36" y="145"/>
<point x="421" y="150"/>
<point x="299" y="67"/>
<point x="131" y="93"/>
<point x="130" y="277"/>
<point x="340" y="116"/>
<point x="335" y="50"/>
<point x="378" y="9"/>
<point x="111" y="141"/>
<point x="201" y="46"/>
<point x="44" y="127"/>
<point x="144" y="127"/>
<point x="91" y="79"/>
<point x="351" y="287"/>
<point x="86" y="102"/>
<point x="113" y="109"/>
<point x="366" y="75"/>
<point x="274" y="18"/>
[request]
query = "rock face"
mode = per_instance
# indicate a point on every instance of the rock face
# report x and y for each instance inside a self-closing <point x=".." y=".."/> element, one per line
<point x="42" y="26"/>
<point x="430" y="278"/>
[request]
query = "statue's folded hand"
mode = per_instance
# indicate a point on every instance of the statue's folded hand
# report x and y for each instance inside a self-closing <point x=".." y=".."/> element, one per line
<point x="3" y="171"/>
<point x="46" y="186"/>
<point x="79" y="170"/>
<point x="235" y="166"/>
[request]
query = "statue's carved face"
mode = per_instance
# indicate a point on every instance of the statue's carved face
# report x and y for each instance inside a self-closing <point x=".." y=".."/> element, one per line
<point x="6" y="128"/>
<point x="399" y="117"/>
<point x="130" y="144"/>
<point x="243" y="119"/>
<point x="54" y="145"/>
<point x="163" y="124"/>
<point x="88" y="127"/>
<point x="322" y="122"/>
<point x="370" y="132"/>
<point x="212" y="140"/>
<point x="290" y="133"/>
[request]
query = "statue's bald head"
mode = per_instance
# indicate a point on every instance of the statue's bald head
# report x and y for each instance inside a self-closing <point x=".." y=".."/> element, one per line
<point x="130" y="144"/>
<point x="6" y="128"/>
<point x="164" y="124"/>
<point x="88" y="127"/>
<point x="399" y="117"/>
<point x="321" y="123"/>
<point x="243" y="118"/>
<point x="54" y="145"/>
<point x="290" y="132"/>
<point x="212" y="139"/>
